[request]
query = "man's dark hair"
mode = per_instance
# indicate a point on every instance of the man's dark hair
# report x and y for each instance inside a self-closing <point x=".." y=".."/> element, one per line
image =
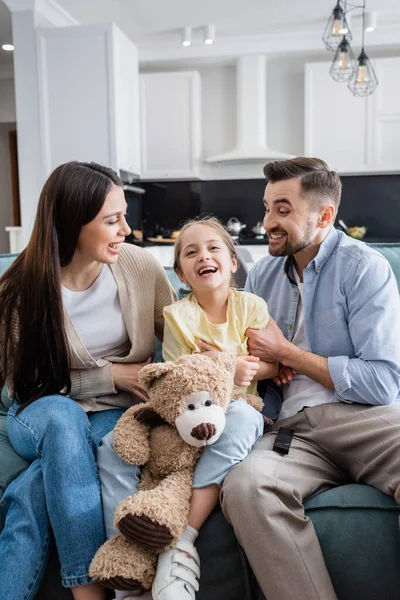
<point x="318" y="183"/>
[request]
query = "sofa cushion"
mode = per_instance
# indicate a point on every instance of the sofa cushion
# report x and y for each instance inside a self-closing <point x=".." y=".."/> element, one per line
<point x="358" y="529"/>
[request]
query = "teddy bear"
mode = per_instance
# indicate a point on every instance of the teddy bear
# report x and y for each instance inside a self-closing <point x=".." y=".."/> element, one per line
<point x="188" y="399"/>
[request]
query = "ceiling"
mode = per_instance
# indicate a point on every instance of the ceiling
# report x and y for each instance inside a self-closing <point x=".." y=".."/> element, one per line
<point x="155" y="25"/>
<point x="142" y="19"/>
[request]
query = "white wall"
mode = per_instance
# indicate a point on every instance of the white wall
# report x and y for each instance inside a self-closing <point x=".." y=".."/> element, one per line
<point x="5" y="186"/>
<point x="285" y="110"/>
<point x="285" y="107"/>
<point x="7" y="101"/>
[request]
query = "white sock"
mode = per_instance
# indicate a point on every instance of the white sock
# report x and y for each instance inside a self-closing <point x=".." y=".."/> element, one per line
<point x="189" y="535"/>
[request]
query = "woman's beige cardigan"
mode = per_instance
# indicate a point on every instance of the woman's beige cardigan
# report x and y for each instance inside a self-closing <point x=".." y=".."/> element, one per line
<point x="143" y="290"/>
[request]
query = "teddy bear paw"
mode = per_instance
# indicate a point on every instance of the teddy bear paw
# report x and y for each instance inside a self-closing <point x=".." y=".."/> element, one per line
<point x="146" y="532"/>
<point x="122" y="564"/>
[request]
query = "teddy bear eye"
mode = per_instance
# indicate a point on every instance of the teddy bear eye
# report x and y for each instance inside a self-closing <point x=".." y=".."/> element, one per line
<point x="191" y="407"/>
<point x="208" y="402"/>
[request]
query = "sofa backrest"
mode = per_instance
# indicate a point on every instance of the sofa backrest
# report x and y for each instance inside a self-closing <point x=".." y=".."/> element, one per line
<point x="392" y="253"/>
<point x="5" y="261"/>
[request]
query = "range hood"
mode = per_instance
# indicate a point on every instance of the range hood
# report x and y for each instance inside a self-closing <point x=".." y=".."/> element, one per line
<point x="251" y="115"/>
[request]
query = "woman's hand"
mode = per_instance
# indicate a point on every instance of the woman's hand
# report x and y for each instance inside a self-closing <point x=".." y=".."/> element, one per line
<point x="125" y="377"/>
<point x="246" y="369"/>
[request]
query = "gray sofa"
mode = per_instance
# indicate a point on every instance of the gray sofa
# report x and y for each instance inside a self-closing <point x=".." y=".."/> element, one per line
<point x="358" y="528"/>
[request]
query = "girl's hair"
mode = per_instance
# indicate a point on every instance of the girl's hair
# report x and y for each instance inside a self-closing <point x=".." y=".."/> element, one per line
<point x="34" y="354"/>
<point x="212" y="222"/>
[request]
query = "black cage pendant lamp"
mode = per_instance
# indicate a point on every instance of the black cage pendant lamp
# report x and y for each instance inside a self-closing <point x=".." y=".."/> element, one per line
<point x="364" y="81"/>
<point x="336" y="28"/>
<point x="344" y="62"/>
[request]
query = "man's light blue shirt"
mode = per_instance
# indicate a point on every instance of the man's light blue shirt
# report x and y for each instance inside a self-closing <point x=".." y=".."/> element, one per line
<point x="351" y="314"/>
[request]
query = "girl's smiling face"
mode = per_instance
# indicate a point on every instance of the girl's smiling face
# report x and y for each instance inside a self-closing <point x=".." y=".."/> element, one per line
<point x="205" y="261"/>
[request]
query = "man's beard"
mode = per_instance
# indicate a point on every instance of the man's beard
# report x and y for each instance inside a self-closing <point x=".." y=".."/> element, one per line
<point x="291" y="246"/>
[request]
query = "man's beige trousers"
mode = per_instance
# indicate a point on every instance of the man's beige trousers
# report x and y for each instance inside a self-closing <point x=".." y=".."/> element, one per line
<point x="263" y="497"/>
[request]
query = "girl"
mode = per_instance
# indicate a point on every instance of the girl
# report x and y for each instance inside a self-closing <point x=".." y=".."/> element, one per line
<point x="214" y="317"/>
<point x="78" y="313"/>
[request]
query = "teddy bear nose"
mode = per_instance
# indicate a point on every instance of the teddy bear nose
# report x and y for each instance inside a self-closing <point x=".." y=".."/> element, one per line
<point x="204" y="431"/>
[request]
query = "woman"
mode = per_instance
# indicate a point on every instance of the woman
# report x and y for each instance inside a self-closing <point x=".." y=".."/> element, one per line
<point x="78" y="314"/>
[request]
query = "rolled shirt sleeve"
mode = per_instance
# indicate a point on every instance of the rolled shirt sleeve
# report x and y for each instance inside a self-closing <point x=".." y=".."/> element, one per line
<point x="372" y="376"/>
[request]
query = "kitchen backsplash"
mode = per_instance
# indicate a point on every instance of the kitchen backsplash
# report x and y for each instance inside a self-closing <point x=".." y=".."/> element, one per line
<point x="372" y="201"/>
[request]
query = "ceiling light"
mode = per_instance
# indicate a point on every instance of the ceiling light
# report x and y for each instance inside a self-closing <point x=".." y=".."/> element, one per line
<point x="370" y="21"/>
<point x="209" y="34"/>
<point x="187" y="36"/>
<point x="344" y="63"/>
<point x="364" y="81"/>
<point x="8" y="47"/>
<point x="336" y="27"/>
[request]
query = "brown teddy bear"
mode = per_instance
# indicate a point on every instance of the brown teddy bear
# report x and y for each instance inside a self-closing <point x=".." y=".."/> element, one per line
<point x="186" y="411"/>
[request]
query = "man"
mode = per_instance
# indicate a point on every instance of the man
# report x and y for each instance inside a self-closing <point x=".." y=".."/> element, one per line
<point x="335" y="331"/>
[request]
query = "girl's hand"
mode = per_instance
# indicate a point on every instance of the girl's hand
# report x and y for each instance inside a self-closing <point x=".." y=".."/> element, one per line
<point x="246" y="369"/>
<point x="208" y="349"/>
<point x="125" y="377"/>
<point x="285" y="375"/>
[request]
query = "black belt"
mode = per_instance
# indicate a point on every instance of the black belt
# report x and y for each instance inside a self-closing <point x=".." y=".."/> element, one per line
<point x="283" y="440"/>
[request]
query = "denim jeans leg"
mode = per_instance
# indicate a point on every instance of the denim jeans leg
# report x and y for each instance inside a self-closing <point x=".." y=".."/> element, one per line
<point x="244" y="427"/>
<point x="56" y="430"/>
<point x="118" y="480"/>
<point x="24" y="541"/>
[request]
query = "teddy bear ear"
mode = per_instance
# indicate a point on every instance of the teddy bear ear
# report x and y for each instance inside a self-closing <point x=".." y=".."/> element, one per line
<point x="226" y="361"/>
<point x="148" y="374"/>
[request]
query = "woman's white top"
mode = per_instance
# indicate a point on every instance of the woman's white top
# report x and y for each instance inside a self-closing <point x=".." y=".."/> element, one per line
<point x="97" y="317"/>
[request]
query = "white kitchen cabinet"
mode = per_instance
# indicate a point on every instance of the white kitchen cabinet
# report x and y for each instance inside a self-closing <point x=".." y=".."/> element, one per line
<point x="336" y="123"/>
<point x="353" y="135"/>
<point x="89" y="96"/>
<point x="170" y="105"/>
<point x="385" y="138"/>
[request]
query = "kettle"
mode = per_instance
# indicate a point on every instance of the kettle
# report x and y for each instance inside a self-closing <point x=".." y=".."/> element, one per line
<point x="234" y="226"/>
<point x="259" y="230"/>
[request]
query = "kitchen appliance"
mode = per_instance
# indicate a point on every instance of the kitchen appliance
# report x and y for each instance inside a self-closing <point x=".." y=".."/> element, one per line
<point x="259" y="230"/>
<point x="234" y="226"/>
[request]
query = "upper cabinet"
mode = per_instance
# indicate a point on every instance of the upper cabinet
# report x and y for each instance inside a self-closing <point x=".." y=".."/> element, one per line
<point x="170" y="106"/>
<point x="353" y="135"/>
<point x="88" y="80"/>
<point x="385" y="134"/>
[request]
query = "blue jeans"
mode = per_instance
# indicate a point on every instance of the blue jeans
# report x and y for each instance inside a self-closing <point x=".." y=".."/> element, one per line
<point x="244" y="427"/>
<point x="60" y="491"/>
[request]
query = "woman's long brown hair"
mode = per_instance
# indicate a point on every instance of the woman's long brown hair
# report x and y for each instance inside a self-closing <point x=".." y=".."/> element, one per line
<point x="34" y="354"/>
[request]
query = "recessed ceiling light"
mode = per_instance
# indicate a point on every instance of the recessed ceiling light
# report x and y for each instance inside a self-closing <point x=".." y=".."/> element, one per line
<point x="8" y="47"/>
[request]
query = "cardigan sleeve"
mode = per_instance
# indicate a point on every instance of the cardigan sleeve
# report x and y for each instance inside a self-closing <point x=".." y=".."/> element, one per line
<point x="164" y="296"/>
<point x="87" y="383"/>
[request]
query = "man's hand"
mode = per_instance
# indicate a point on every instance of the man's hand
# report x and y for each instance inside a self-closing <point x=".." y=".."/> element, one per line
<point x="285" y="375"/>
<point x="125" y="377"/>
<point x="246" y="369"/>
<point x="268" y="344"/>
<point x="208" y="349"/>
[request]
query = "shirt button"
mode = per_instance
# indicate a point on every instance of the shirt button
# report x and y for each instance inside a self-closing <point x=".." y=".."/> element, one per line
<point x="318" y="268"/>
<point x="290" y="327"/>
<point x="294" y="294"/>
